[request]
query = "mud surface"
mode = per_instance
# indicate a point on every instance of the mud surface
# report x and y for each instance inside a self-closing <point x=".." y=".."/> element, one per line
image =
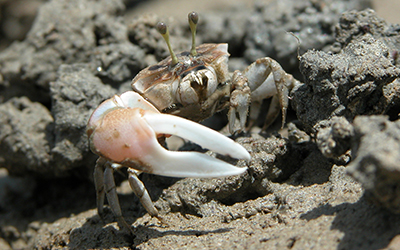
<point x="323" y="182"/>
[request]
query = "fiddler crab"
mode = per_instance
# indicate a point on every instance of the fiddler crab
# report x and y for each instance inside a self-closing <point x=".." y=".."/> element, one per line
<point x="168" y="99"/>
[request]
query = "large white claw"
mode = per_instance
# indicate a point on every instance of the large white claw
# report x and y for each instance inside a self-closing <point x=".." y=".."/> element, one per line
<point x="124" y="130"/>
<point x="188" y="164"/>
<point x="193" y="164"/>
<point x="197" y="133"/>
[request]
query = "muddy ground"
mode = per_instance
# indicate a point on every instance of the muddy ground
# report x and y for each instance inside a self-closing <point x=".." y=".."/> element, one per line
<point x="328" y="180"/>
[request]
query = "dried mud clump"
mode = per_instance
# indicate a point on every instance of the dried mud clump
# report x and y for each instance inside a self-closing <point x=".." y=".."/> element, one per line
<point x="312" y="22"/>
<point x="273" y="160"/>
<point x="360" y="76"/>
<point x="334" y="137"/>
<point x="358" y="79"/>
<point x="376" y="160"/>
<point x="52" y="81"/>
<point x="25" y="147"/>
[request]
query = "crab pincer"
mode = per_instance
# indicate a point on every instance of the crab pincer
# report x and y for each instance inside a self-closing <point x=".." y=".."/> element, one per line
<point x="124" y="132"/>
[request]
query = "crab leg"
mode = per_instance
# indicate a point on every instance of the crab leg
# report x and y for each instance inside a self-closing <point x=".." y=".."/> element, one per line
<point x="112" y="197"/>
<point x="141" y="192"/>
<point x="98" y="177"/>
<point x="105" y="184"/>
<point x="263" y="85"/>
<point x="273" y="112"/>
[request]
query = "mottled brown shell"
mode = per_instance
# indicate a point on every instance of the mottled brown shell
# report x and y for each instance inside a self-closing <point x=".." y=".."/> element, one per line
<point x="155" y="82"/>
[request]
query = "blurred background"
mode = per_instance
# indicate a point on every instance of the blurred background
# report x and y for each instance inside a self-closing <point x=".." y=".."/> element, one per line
<point x="16" y="16"/>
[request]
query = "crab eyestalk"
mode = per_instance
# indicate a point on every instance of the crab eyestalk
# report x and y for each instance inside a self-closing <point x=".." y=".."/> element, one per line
<point x="193" y="19"/>
<point x="162" y="28"/>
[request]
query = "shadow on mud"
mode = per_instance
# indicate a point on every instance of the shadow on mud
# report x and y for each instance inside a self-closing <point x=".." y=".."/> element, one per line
<point x="364" y="225"/>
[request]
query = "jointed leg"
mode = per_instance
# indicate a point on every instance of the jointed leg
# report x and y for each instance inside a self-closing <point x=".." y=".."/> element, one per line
<point x="98" y="177"/>
<point x="273" y="113"/>
<point x="141" y="192"/>
<point x="112" y="196"/>
<point x="264" y="86"/>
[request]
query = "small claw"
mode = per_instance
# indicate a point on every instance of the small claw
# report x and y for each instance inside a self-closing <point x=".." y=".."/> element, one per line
<point x="239" y="101"/>
<point x="239" y="105"/>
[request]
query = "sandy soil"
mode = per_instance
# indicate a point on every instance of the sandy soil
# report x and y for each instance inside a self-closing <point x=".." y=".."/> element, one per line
<point x="297" y="194"/>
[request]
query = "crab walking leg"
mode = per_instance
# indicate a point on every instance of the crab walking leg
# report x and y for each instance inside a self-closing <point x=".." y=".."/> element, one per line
<point x="112" y="196"/>
<point x="98" y="177"/>
<point x="263" y="86"/>
<point x="141" y="192"/>
<point x="196" y="133"/>
<point x="273" y="113"/>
